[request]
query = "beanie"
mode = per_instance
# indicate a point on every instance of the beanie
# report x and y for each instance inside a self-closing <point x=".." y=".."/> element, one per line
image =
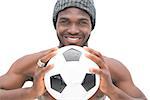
<point x="86" y="5"/>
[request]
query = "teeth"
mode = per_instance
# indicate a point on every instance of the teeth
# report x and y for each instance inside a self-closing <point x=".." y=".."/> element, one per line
<point x="73" y="39"/>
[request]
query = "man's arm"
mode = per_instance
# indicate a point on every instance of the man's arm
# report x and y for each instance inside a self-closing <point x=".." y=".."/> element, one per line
<point x="17" y="94"/>
<point x="124" y="87"/>
<point x="111" y="70"/>
<point x="10" y="87"/>
<point x="11" y="83"/>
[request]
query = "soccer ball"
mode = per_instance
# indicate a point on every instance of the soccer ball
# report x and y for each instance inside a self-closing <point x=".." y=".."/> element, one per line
<point x="70" y="78"/>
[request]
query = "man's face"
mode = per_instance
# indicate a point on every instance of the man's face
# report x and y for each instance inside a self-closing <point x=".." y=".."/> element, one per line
<point x="73" y="27"/>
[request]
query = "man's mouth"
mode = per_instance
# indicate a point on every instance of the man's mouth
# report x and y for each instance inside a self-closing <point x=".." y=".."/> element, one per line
<point x="72" y="39"/>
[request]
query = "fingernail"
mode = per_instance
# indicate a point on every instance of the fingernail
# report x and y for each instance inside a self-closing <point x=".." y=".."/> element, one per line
<point x="85" y="47"/>
<point x="91" y="70"/>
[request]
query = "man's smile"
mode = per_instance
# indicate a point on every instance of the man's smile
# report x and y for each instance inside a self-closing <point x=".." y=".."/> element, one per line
<point x="72" y="39"/>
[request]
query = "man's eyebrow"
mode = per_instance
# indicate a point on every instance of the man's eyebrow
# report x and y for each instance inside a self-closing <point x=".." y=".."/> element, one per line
<point x="63" y="18"/>
<point x="84" y="19"/>
<point x="81" y="19"/>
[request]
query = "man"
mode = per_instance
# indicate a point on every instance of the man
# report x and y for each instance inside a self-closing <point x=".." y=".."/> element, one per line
<point x="74" y="20"/>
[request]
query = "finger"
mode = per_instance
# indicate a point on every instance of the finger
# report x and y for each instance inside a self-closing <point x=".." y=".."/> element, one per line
<point x="95" y="71"/>
<point x="96" y="59"/>
<point x="102" y="72"/>
<point x="49" y="55"/>
<point x="47" y="68"/>
<point x="44" y="70"/>
<point x="92" y="51"/>
<point x="50" y="50"/>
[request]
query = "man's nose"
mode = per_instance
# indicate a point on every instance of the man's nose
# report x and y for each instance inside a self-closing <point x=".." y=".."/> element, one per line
<point x="73" y="29"/>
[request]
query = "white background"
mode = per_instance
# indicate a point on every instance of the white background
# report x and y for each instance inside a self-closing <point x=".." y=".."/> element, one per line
<point x="122" y="32"/>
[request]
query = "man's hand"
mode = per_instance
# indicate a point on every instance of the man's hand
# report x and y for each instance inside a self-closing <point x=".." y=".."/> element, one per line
<point x="120" y="92"/>
<point x="38" y="87"/>
<point x="105" y="78"/>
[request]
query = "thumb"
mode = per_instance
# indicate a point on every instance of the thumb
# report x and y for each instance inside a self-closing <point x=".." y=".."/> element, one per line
<point x="97" y="71"/>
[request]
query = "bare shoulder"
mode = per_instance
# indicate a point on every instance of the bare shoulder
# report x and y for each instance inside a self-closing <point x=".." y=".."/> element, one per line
<point x="21" y="70"/>
<point x="27" y="63"/>
<point x="117" y="69"/>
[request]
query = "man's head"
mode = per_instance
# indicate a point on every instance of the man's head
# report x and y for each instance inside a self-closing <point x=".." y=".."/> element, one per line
<point x="74" y="20"/>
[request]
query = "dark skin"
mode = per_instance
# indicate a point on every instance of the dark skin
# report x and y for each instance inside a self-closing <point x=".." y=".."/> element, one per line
<point x="73" y="28"/>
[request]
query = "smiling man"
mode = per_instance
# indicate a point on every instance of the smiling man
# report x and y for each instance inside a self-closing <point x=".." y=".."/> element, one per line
<point x="73" y="20"/>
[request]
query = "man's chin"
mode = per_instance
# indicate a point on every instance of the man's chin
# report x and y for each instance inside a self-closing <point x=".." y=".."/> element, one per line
<point x="62" y="45"/>
<point x="79" y="43"/>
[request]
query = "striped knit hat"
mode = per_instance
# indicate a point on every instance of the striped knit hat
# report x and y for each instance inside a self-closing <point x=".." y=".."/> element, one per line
<point x="86" y="5"/>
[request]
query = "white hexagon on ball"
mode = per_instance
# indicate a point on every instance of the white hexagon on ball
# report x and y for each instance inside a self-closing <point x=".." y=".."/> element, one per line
<point x="70" y="78"/>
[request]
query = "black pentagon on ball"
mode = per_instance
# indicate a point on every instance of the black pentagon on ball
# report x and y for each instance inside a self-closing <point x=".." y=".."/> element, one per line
<point x="89" y="81"/>
<point x="57" y="83"/>
<point x="72" y="55"/>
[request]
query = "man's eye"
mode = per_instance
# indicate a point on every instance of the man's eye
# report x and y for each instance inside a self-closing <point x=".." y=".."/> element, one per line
<point x="63" y="22"/>
<point x="83" y="23"/>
